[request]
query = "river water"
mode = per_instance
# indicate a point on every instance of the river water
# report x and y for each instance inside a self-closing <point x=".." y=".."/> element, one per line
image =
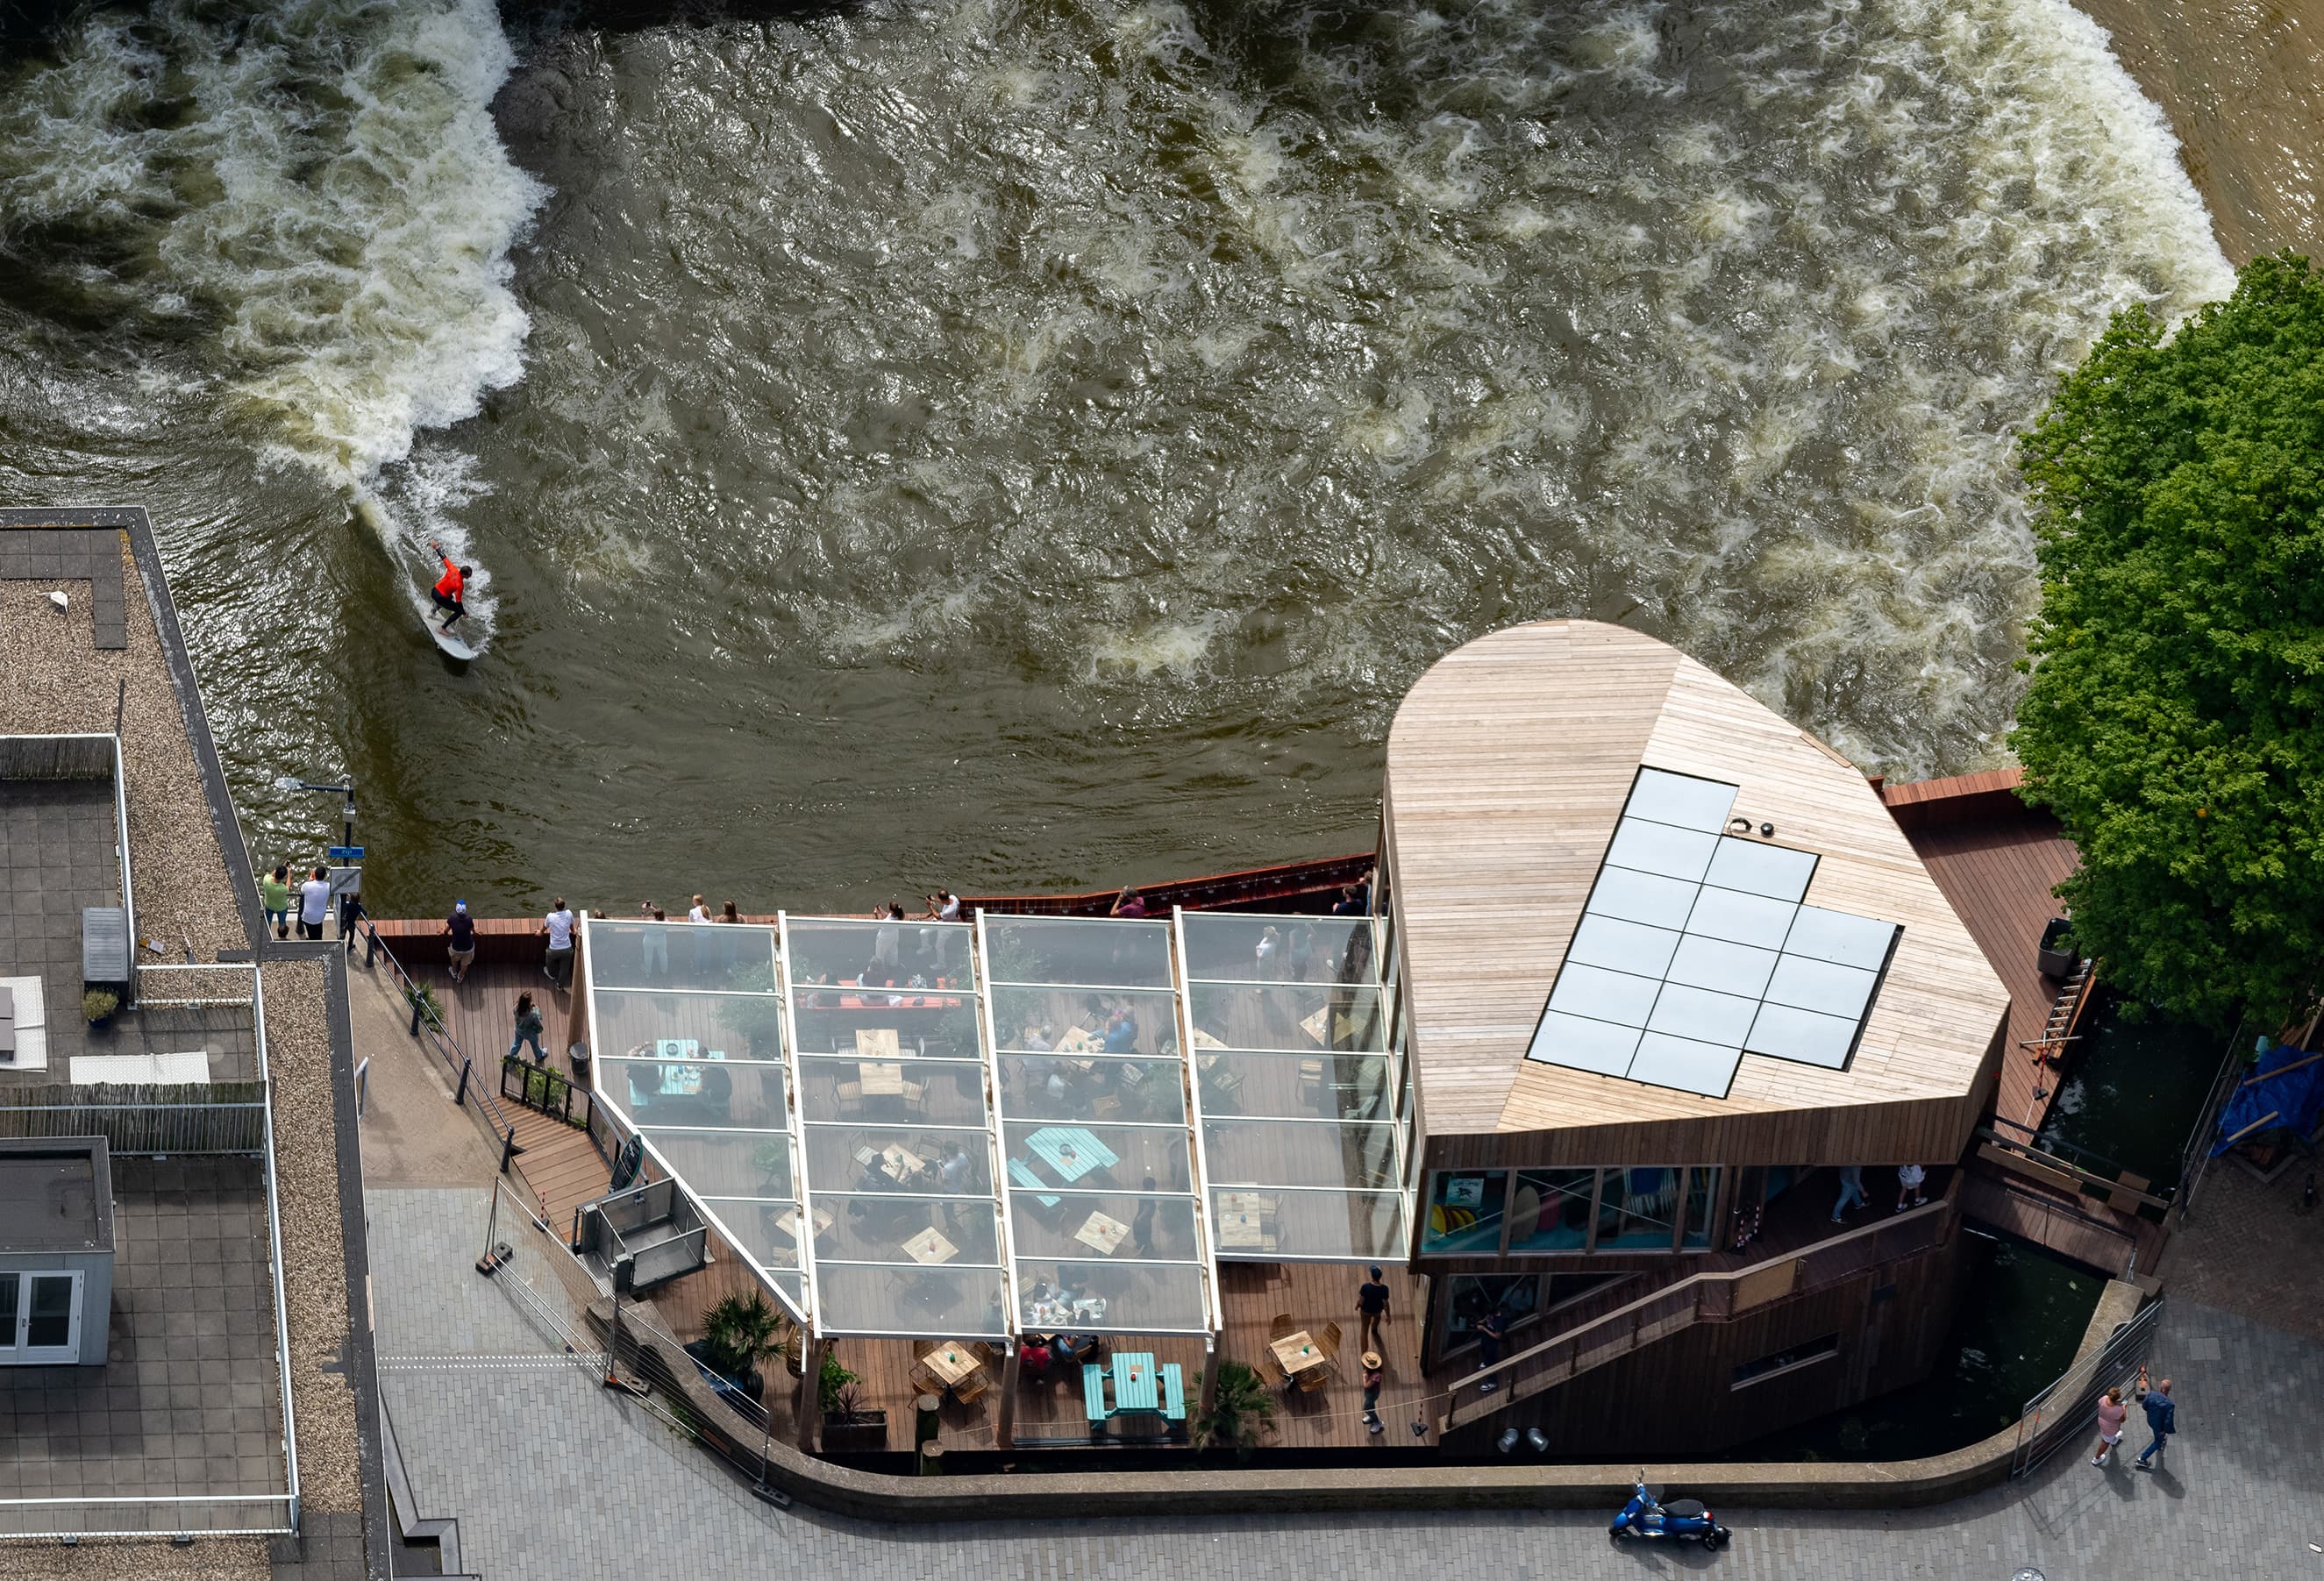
<point x="1018" y="445"/>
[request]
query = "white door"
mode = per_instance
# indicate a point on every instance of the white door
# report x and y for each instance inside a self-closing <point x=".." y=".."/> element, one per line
<point x="40" y="1318"/>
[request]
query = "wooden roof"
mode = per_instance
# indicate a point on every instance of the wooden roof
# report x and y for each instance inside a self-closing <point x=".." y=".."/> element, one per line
<point x="1507" y="767"/>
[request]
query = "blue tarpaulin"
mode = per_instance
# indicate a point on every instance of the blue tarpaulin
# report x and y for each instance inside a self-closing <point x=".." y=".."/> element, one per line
<point x="2265" y="1100"/>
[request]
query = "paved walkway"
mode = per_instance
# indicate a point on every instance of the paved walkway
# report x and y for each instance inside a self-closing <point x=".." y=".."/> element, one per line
<point x="550" y="1476"/>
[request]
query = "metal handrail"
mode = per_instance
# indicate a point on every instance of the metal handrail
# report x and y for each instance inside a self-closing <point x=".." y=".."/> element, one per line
<point x="2195" y="1158"/>
<point x="1628" y="1325"/>
<point x="455" y="1058"/>
<point x="275" y="1239"/>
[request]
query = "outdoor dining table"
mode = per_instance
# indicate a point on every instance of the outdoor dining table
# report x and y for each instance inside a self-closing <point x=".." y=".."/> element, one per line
<point x="1298" y="1353"/>
<point x="1241" y="1229"/>
<point x="680" y="1081"/>
<point x="929" y="1247"/>
<point x="1318" y="1026"/>
<point x="1070" y="1151"/>
<point x="1135" y="1385"/>
<point x="881" y="1079"/>
<point x="878" y="1042"/>
<point x="1076" y="1041"/>
<point x="953" y="1363"/>
<point x="1103" y="1232"/>
<point x="788" y="1221"/>
<point x="900" y="1163"/>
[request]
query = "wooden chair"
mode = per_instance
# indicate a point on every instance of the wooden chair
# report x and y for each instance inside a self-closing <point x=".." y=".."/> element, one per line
<point x="1312" y="1379"/>
<point x="972" y="1388"/>
<point x="851" y="1100"/>
<point x="1327" y="1339"/>
<point x="923" y="1381"/>
<point x="1283" y="1327"/>
<point x="1311" y="1082"/>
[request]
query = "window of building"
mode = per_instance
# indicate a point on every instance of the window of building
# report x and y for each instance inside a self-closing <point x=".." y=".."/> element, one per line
<point x="1637" y="1210"/>
<point x="39" y="1316"/>
<point x="1464" y="1212"/>
<point x="1786" y="1361"/>
<point x="1702" y="1193"/>
<point x="1549" y="1211"/>
<point x="1469" y="1296"/>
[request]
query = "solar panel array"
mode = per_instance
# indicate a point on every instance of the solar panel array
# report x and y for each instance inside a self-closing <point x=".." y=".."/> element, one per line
<point x="1696" y="948"/>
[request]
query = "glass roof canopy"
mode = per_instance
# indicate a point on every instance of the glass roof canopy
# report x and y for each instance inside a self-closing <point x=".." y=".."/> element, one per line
<point x="969" y="1130"/>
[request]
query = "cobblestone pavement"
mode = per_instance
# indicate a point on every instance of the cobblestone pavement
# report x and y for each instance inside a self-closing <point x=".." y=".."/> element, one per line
<point x="550" y="1477"/>
<point x="2246" y="1249"/>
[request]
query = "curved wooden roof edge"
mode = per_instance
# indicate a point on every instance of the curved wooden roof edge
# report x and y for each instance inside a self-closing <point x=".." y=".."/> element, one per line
<point x="1507" y="765"/>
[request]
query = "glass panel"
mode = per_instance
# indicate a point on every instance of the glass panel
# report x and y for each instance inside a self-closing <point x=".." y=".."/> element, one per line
<point x="956" y="1302"/>
<point x="1085" y="1021"/>
<point x="1604" y="996"/>
<point x="1680" y="799"/>
<point x="1059" y="950"/>
<point x="713" y="1163"/>
<point x="1658" y="848"/>
<point x="1713" y="963"/>
<point x="1819" y="985"/>
<point x="676" y="1092"/>
<point x="1740" y="918"/>
<point x="680" y="955"/>
<point x="1062" y="1087"/>
<point x="691" y="1027"/>
<point x="1683" y="1063"/>
<point x="898" y="1158"/>
<point x="1609" y="942"/>
<point x="1839" y="937"/>
<point x="1112" y="1297"/>
<point x="9" y="1284"/>
<point x="1286" y="1153"/>
<point x="1701" y="1188"/>
<point x="1468" y="1297"/>
<point x="1095" y="1157"/>
<point x="1636" y="1208"/>
<point x="1771" y="871"/>
<point x="1702" y="1015"/>
<point x="49" y="1314"/>
<point x="1223" y="945"/>
<point x="939" y="1092"/>
<point x="1641" y="897"/>
<point x="1259" y="1226"/>
<point x="766" y="1232"/>
<point x="1550" y="1211"/>
<point x="1317" y="1086"/>
<point x="1464" y="1212"/>
<point x="909" y="1231"/>
<point x="1584" y="1044"/>
<point x="841" y="1019"/>
<point x="835" y="950"/>
<point x="1254" y="1016"/>
<point x="1114" y="1227"/>
<point x="1802" y="1035"/>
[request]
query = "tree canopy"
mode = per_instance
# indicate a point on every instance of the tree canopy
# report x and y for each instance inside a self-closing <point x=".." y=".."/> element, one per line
<point x="2172" y="722"/>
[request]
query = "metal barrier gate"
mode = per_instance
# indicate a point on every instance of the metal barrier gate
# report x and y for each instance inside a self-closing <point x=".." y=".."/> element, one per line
<point x="2070" y="1407"/>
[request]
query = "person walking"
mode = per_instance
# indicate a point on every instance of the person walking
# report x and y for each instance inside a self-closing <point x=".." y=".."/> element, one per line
<point x="1909" y="1177"/>
<point x="557" y="966"/>
<point x="1851" y="1190"/>
<point x="1372" y="1308"/>
<point x="1141" y="1228"/>
<point x="2112" y="1414"/>
<point x="314" y="903"/>
<point x="1488" y="1329"/>
<point x="2163" y="1416"/>
<point x="274" y="898"/>
<point x="1373" y="1380"/>
<point x="528" y="1029"/>
<point x="460" y="940"/>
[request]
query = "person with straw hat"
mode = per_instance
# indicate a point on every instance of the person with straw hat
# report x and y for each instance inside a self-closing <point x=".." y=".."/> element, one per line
<point x="1371" y="1359"/>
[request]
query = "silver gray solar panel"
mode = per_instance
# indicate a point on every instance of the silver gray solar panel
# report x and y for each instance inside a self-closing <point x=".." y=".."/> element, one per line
<point x="1604" y="996"/>
<point x="1609" y="942"/>
<point x="1702" y="1015"/>
<point x="1658" y="848"/>
<point x="1772" y="870"/>
<point x="1819" y="985"/>
<point x="1801" y="1035"/>
<point x="1740" y="918"/>
<point x="1685" y="1064"/>
<point x="1715" y="963"/>
<point x="1584" y="1044"/>
<point x="1680" y="799"/>
<point x="1840" y="936"/>
<point x="1642" y="897"/>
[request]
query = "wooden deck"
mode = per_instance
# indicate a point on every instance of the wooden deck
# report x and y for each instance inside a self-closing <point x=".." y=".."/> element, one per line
<point x="559" y="1164"/>
<point x="1998" y="870"/>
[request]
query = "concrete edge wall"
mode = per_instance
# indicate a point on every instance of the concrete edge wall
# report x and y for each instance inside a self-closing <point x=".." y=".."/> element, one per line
<point x="1822" y="1485"/>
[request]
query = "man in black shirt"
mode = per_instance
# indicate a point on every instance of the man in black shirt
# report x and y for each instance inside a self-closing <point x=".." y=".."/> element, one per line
<point x="1371" y="1305"/>
<point x="460" y="940"/>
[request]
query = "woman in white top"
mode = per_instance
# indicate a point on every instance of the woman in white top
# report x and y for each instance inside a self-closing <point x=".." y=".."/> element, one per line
<point x="1909" y="1177"/>
<point x="699" y="913"/>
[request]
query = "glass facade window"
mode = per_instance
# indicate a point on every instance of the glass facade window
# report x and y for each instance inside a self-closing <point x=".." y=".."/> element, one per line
<point x="1464" y="1212"/>
<point x="1549" y="1209"/>
<point x="1637" y="1210"/>
<point x="1701" y="1194"/>
<point x="1468" y="1297"/>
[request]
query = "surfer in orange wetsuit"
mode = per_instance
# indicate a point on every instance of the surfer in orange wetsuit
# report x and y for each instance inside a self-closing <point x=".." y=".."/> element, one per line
<point x="450" y="586"/>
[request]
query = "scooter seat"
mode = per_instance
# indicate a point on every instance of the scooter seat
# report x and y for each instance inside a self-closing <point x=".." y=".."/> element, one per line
<point x="1691" y="1508"/>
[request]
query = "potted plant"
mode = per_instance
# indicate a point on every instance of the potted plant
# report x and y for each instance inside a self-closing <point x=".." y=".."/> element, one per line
<point x="97" y="1005"/>
<point x="848" y="1428"/>
<point x="1241" y="1412"/>
<point x="757" y="1019"/>
<point x="738" y="1333"/>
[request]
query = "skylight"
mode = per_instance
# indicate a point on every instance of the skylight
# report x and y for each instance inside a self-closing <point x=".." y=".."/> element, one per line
<point x="1696" y="948"/>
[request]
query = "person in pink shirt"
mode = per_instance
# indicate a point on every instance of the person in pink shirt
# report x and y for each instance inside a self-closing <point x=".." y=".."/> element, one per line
<point x="2112" y="1414"/>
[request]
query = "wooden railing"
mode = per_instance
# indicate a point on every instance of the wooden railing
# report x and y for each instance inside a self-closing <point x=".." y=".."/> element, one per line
<point x="1706" y="1298"/>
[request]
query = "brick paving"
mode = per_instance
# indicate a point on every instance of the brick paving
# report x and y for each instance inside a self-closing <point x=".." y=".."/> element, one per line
<point x="2237" y="1496"/>
<point x="2247" y="1250"/>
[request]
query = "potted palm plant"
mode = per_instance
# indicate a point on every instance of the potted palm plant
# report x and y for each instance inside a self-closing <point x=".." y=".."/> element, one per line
<point x="738" y="1333"/>
<point x="848" y="1427"/>
<point x="1240" y="1413"/>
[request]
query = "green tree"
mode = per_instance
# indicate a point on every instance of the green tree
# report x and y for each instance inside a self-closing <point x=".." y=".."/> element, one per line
<point x="2173" y="721"/>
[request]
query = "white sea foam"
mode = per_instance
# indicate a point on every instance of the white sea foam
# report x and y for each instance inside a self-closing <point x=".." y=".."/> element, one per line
<point x="330" y="202"/>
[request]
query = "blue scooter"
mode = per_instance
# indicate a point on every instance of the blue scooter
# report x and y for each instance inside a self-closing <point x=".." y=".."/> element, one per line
<point x="1682" y="1520"/>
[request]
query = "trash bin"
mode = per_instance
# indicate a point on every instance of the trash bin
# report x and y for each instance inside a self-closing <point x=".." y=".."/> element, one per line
<point x="2054" y="958"/>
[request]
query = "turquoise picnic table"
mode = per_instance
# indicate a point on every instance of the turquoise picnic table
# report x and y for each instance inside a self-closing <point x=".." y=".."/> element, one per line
<point x="1133" y="1387"/>
<point x="1051" y="1144"/>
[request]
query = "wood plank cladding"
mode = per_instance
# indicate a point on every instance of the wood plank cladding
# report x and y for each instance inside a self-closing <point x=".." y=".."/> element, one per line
<point x="1507" y="767"/>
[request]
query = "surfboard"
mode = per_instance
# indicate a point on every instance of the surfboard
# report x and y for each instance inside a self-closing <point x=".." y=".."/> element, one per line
<point x="450" y="644"/>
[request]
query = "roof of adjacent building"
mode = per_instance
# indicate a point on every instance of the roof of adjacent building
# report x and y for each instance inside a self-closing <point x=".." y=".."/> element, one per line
<point x="1509" y="767"/>
<point x="55" y="1196"/>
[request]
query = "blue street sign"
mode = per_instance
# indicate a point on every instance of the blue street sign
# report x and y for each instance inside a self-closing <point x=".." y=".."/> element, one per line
<point x="346" y="853"/>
